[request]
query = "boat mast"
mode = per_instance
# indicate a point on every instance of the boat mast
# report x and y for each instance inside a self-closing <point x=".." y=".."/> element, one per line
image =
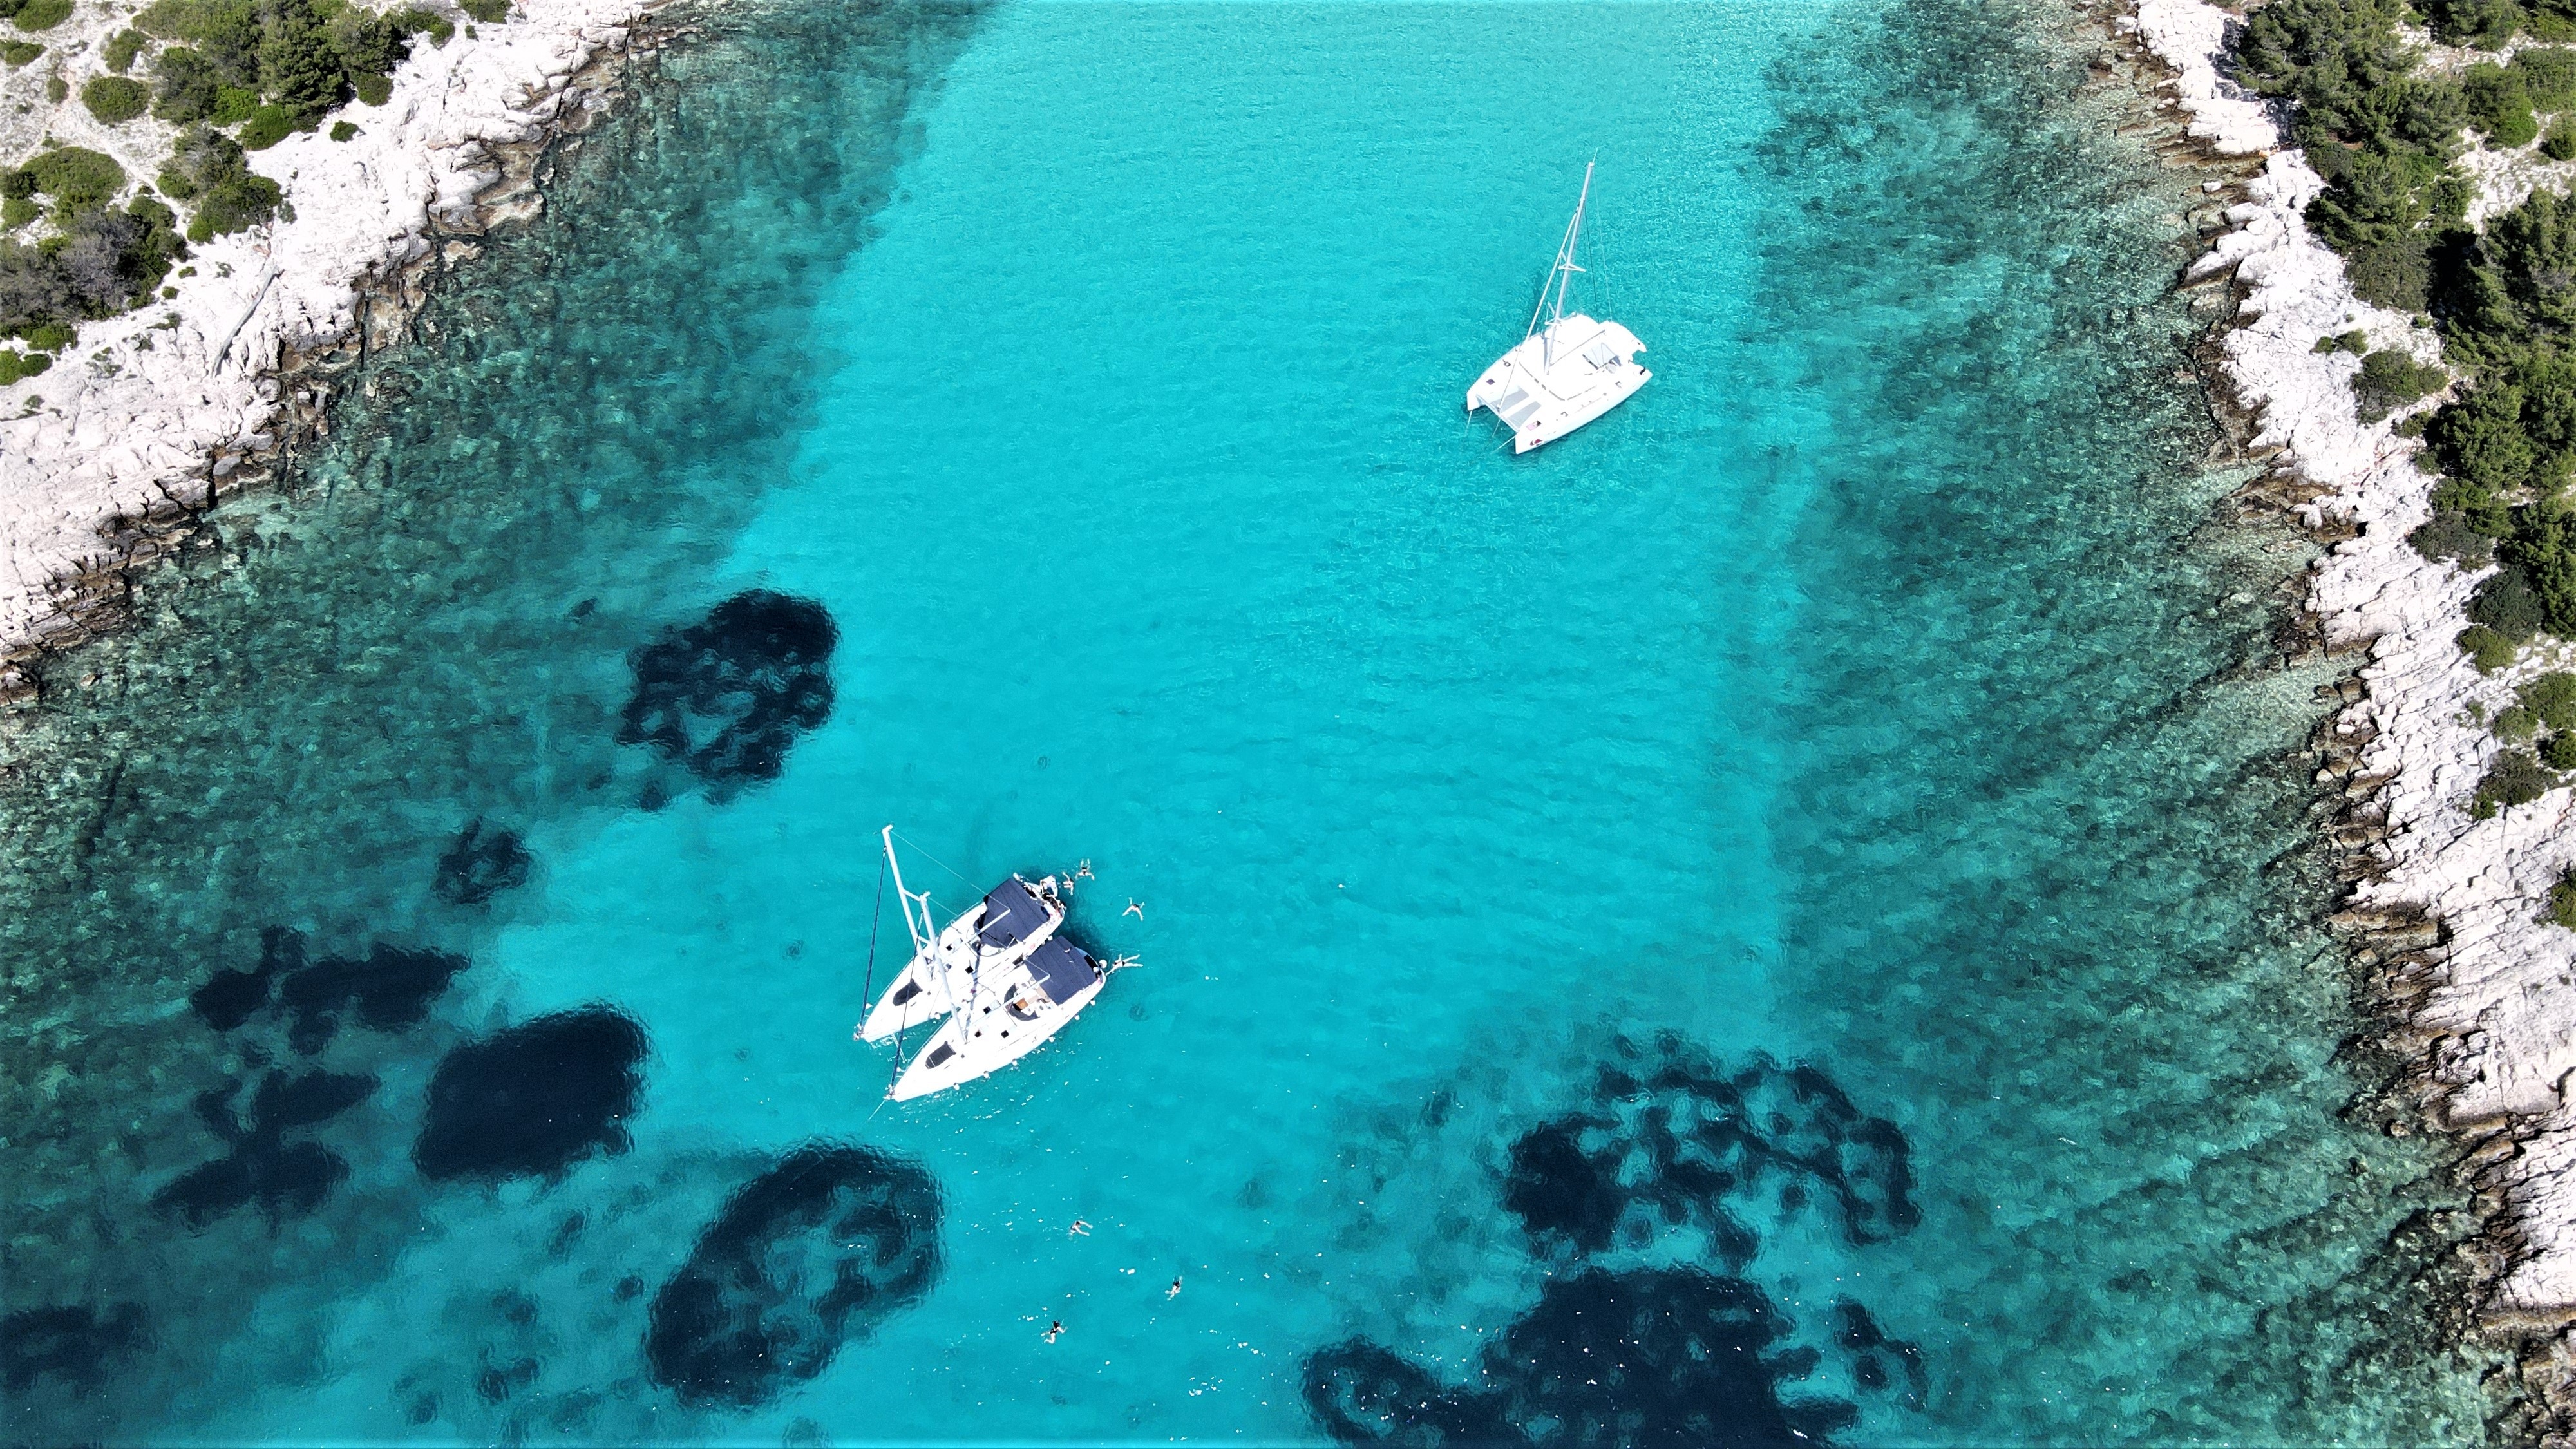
<point x="1561" y="275"/>
<point x="927" y="932"/>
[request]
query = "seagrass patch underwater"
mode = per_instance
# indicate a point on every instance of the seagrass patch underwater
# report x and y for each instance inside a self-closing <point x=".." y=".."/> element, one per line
<point x="1782" y="914"/>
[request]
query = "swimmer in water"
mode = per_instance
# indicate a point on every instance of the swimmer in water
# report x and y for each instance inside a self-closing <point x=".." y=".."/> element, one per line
<point x="1174" y="1291"/>
<point x="1055" y="1329"/>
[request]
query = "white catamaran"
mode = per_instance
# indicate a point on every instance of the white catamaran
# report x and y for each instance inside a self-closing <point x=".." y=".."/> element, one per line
<point x="999" y="974"/>
<point x="1566" y="373"/>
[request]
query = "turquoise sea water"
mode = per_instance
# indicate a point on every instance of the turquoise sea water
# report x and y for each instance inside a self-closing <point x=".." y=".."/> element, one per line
<point x="1788" y="910"/>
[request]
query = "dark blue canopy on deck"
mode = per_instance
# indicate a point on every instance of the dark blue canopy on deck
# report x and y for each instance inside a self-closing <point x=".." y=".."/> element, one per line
<point x="1012" y="914"/>
<point x="1063" y="968"/>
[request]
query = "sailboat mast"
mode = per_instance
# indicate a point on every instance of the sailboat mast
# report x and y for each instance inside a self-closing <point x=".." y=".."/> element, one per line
<point x="1551" y="298"/>
<point x="1565" y="267"/>
<point x="928" y="931"/>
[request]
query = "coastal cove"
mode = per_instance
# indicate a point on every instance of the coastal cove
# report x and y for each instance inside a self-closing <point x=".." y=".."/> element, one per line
<point x="1867" y="762"/>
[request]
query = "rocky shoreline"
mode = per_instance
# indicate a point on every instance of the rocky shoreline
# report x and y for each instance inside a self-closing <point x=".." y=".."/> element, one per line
<point x="2470" y="990"/>
<point x="107" y="460"/>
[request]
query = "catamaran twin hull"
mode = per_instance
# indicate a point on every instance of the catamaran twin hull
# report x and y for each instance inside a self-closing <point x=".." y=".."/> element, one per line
<point x="1559" y="378"/>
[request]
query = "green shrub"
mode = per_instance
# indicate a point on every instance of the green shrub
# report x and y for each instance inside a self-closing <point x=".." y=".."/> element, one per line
<point x="113" y="99"/>
<point x="490" y="12"/>
<point x="207" y="166"/>
<point x="75" y="177"/>
<point x="17" y="211"/>
<point x="20" y="53"/>
<point x="2508" y="604"/>
<point x="373" y="90"/>
<point x="234" y="105"/>
<point x="42" y="14"/>
<point x="437" y="27"/>
<point x="2558" y="751"/>
<point x="2514" y="777"/>
<point x="343" y="130"/>
<point x="2487" y="23"/>
<point x="269" y="125"/>
<point x="2515" y="724"/>
<point x="2498" y="105"/>
<point x="2487" y="649"/>
<point x="2355" y="342"/>
<point x="122" y="48"/>
<point x="2443" y="536"/>
<point x="2395" y="274"/>
<point x="51" y="337"/>
<point x="2562" y="901"/>
<point x="15" y="365"/>
<point x="2391" y="380"/>
<point x="2548" y="76"/>
<point x="184" y="86"/>
<point x="2560" y="143"/>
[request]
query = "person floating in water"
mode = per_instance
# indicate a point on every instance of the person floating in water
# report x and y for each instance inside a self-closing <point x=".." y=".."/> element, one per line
<point x="1055" y="1329"/>
<point x="1175" y="1290"/>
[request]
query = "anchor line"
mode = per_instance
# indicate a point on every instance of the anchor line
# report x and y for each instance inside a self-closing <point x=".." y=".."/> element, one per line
<point x="868" y="991"/>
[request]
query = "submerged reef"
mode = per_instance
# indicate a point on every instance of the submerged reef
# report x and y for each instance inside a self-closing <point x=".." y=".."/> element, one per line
<point x="533" y="1100"/>
<point x="725" y="698"/>
<point x="481" y="865"/>
<point x="389" y="989"/>
<point x="229" y="998"/>
<point x="1651" y="1356"/>
<point x="1626" y="1345"/>
<point x="1671" y="1143"/>
<point x="72" y="1345"/>
<point x="283" y="1178"/>
<point x="814" y="1252"/>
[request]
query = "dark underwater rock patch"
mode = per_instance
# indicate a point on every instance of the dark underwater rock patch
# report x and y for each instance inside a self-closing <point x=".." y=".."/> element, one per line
<point x="1637" y="1349"/>
<point x="1877" y="1359"/>
<point x="726" y="697"/>
<point x="1656" y="1356"/>
<point x="70" y="1344"/>
<point x="814" y="1252"/>
<point x="283" y="1178"/>
<point x="534" y="1099"/>
<point x="482" y="864"/>
<point x="230" y="997"/>
<point x="389" y="989"/>
<point x="1681" y="1140"/>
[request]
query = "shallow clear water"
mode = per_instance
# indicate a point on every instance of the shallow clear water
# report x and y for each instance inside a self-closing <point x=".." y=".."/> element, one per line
<point x="1877" y="693"/>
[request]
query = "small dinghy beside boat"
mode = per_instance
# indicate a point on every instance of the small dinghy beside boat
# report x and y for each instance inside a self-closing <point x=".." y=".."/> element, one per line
<point x="1566" y="373"/>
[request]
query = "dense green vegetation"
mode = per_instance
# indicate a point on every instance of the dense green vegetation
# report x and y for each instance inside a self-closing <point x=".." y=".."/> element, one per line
<point x="261" y="69"/>
<point x="279" y="64"/>
<point x="113" y="99"/>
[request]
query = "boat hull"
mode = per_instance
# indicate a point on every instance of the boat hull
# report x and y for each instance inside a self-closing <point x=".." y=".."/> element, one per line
<point x="934" y="981"/>
<point x="994" y="1031"/>
<point x="1560" y="378"/>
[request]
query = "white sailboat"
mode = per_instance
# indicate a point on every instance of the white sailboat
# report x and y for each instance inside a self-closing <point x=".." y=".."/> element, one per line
<point x="1000" y="976"/>
<point x="1567" y="372"/>
<point x="1004" y="1016"/>
<point x="1012" y="920"/>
